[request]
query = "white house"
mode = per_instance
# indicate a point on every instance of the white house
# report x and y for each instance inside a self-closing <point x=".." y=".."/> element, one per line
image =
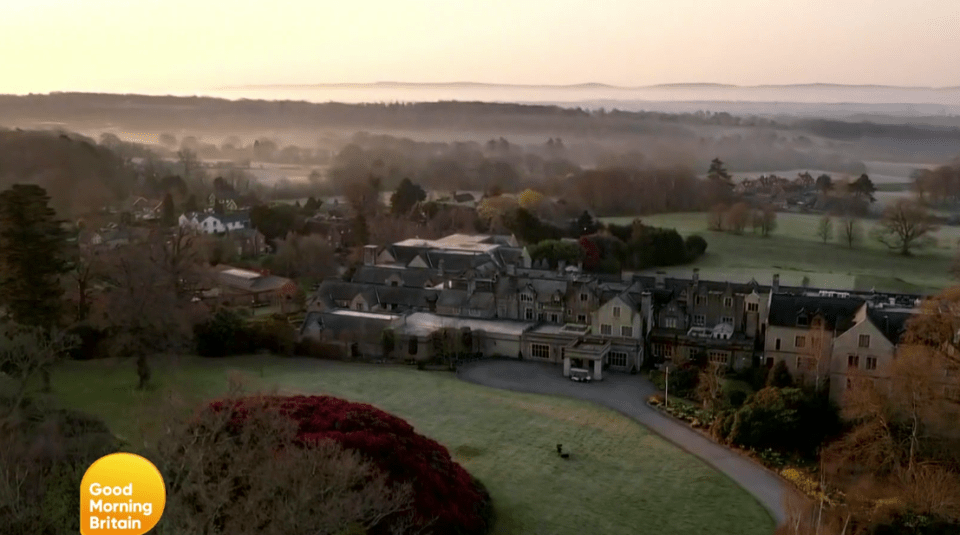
<point x="213" y="223"/>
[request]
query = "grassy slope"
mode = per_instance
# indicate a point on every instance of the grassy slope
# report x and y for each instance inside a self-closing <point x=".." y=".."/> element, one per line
<point x="795" y="251"/>
<point x="622" y="478"/>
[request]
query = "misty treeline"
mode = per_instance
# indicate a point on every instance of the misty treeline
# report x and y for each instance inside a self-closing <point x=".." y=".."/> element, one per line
<point x="749" y="143"/>
<point x="81" y="173"/>
<point x="627" y="184"/>
<point x="939" y="186"/>
<point x="234" y="150"/>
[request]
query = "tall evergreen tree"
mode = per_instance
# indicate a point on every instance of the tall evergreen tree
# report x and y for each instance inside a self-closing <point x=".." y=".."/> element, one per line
<point x="168" y="213"/>
<point x="32" y="256"/>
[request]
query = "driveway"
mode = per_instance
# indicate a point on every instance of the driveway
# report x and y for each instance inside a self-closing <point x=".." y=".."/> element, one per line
<point x="627" y="394"/>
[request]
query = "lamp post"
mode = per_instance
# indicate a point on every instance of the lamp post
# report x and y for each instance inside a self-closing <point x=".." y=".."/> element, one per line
<point x="666" y="393"/>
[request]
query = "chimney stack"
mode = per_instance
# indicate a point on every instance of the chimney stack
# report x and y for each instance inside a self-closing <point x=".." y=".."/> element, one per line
<point x="696" y="276"/>
<point x="369" y="255"/>
<point x="561" y="266"/>
<point x="440" y="267"/>
<point x="776" y="283"/>
<point x="661" y="280"/>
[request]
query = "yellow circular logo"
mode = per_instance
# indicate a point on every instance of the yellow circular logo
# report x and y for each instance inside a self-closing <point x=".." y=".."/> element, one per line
<point x="121" y="493"/>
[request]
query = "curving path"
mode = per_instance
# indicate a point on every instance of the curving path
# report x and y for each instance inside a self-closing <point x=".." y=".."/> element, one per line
<point x="627" y="394"/>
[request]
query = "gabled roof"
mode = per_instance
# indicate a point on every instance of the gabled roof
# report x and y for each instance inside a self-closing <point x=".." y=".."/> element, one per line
<point x="891" y="323"/>
<point x="453" y="298"/>
<point x="837" y="312"/>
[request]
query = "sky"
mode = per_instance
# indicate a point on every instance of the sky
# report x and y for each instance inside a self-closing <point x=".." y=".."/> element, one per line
<point x="176" y="46"/>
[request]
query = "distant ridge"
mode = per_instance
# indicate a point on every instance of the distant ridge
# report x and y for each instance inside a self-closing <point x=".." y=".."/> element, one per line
<point x="585" y="85"/>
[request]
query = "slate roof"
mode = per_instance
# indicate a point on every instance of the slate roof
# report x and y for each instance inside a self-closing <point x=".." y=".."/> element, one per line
<point x="410" y="277"/>
<point x="892" y="323"/>
<point x="250" y="281"/>
<point x="837" y="312"/>
<point x="461" y="299"/>
<point x="366" y="326"/>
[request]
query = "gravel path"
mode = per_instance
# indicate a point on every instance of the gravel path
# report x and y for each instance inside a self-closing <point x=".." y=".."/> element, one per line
<point x="627" y="394"/>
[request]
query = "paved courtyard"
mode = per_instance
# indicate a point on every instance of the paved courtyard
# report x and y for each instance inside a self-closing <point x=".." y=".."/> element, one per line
<point x="627" y="394"/>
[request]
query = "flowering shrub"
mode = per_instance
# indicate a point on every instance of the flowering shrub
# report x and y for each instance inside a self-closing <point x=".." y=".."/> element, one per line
<point x="806" y="485"/>
<point x="447" y="499"/>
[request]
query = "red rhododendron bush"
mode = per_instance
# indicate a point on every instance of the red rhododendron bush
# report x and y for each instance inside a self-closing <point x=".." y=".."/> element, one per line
<point x="419" y="488"/>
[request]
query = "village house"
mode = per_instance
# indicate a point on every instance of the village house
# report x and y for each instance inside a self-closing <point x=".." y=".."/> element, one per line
<point x="866" y="350"/>
<point x="210" y="223"/>
<point x="243" y="288"/>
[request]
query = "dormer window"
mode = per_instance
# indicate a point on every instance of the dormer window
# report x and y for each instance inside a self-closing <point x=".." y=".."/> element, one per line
<point x="526" y="298"/>
<point x="803" y="320"/>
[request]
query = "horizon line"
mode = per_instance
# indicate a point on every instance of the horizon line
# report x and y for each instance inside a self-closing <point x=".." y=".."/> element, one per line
<point x="582" y="85"/>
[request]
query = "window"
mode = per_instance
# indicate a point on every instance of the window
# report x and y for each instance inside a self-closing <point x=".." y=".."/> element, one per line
<point x="777" y="345"/>
<point x="728" y="302"/>
<point x="541" y="351"/>
<point x="528" y="314"/>
<point x="412" y="346"/>
<point x="358" y="305"/>
<point x="871" y="363"/>
<point x="853" y="361"/>
<point x="803" y="321"/>
<point x="657" y="350"/>
<point x="699" y="320"/>
<point x="864" y="340"/>
<point x="753" y="307"/>
<point x="618" y="358"/>
<point x="606" y="329"/>
<point x="670" y="323"/>
<point x="616" y="312"/>
<point x="849" y="384"/>
<point x="582" y="319"/>
<point x="727" y="319"/>
<point x="800" y="341"/>
<point x="584" y="298"/>
<point x="626" y="331"/>
<point x="719" y="357"/>
<point x="554" y="318"/>
<point x="700" y="300"/>
<point x="526" y="298"/>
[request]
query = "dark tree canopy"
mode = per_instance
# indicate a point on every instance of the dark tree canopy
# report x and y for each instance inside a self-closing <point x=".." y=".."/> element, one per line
<point x="863" y="187"/>
<point x="168" y="212"/>
<point x="32" y="256"/>
<point x="406" y="197"/>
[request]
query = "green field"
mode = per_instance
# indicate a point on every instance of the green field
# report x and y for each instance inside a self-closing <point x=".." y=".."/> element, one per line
<point x="621" y="478"/>
<point x="795" y="252"/>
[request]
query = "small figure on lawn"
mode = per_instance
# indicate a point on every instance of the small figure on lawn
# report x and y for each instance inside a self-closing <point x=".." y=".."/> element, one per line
<point x="559" y="449"/>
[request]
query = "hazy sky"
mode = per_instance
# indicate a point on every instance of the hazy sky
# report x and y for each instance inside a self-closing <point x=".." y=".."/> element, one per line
<point x="186" y="45"/>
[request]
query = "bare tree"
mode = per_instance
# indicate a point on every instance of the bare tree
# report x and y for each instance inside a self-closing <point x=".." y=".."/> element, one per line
<point x="825" y="228"/>
<point x="259" y="478"/>
<point x="850" y="231"/>
<point x="710" y="385"/>
<point x="304" y="256"/>
<point x="27" y="352"/>
<point x="148" y="301"/>
<point x="737" y="217"/>
<point x="716" y="217"/>
<point x="905" y="225"/>
<point x="190" y="164"/>
<point x="768" y="220"/>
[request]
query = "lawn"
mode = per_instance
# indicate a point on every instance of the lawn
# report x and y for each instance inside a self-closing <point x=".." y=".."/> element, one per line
<point x="621" y="477"/>
<point x="795" y="252"/>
